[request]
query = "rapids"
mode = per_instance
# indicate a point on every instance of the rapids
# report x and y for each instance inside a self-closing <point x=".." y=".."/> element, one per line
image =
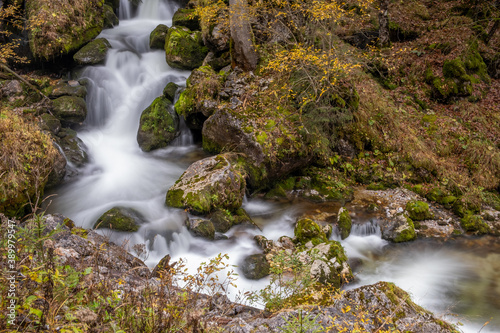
<point x="449" y="279"/>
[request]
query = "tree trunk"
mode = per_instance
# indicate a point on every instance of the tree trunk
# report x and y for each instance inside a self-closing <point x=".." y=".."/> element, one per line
<point x="383" y="19"/>
<point x="243" y="52"/>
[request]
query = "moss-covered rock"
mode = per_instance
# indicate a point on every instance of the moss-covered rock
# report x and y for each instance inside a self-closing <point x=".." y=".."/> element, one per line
<point x="255" y="267"/>
<point x="216" y="182"/>
<point x="223" y="220"/>
<point x="418" y="210"/>
<point x="63" y="88"/>
<point x="73" y="147"/>
<point x="158" y="36"/>
<point x="50" y="123"/>
<point x="398" y="228"/>
<point x="199" y="99"/>
<point x="120" y="219"/>
<point x="93" y="53"/>
<point x="306" y="230"/>
<point x="110" y="18"/>
<point x="329" y="264"/>
<point x="184" y="48"/>
<point x="201" y="228"/>
<point x="70" y="110"/>
<point x="475" y="224"/>
<point x="159" y="125"/>
<point x="170" y="90"/>
<point x="344" y="222"/>
<point x="185" y="17"/>
<point x="63" y="26"/>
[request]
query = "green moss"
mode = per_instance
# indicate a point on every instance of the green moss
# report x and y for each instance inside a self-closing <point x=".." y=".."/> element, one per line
<point x="175" y="198"/>
<point x="307" y="230"/>
<point x="344" y="223"/>
<point x="261" y="138"/>
<point x="119" y="218"/>
<point x="407" y="234"/>
<point x="186" y="18"/>
<point x="475" y="223"/>
<point x="418" y="210"/>
<point x="170" y="90"/>
<point x="184" y="48"/>
<point x="158" y="36"/>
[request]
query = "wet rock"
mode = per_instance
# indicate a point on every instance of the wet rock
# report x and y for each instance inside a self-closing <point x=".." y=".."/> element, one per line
<point x="263" y="243"/>
<point x="217" y="62"/>
<point x="255" y="267"/>
<point x="475" y="224"/>
<point x="170" y="90"/>
<point x="158" y="36"/>
<point x="94" y="53"/>
<point x="398" y="228"/>
<point x="159" y="125"/>
<point x="58" y="172"/>
<point x="184" y="48"/>
<point x="110" y="18"/>
<point x="307" y="230"/>
<point x="201" y="228"/>
<point x="70" y="110"/>
<point x="216" y="37"/>
<point x="73" y="147"/>
<point x="212" y="183"/>
<point x="344" y="222"/>
<point x="223" y="220"/>
<point x="63" y="88"/>
<point x="120" y="219"/>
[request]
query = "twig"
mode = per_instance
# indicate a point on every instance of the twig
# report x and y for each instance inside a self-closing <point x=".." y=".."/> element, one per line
<point x="6" y="68"/>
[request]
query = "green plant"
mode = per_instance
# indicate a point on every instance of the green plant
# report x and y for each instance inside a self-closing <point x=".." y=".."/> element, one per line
<point x="302" y="323"/>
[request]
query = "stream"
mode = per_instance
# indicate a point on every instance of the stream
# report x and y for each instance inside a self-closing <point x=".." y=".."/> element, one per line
<point x="457" y="279"/>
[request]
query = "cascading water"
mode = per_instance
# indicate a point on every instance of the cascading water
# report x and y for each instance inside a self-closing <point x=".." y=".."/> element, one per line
<point x="120" y="174"/>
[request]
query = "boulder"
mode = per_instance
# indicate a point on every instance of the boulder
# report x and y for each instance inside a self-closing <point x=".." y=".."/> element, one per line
<point x="185" y="17"/>
<point x="170" y="91"/>
<point x="217" y="62"/>
<point x="475" y="224"/>
<point x="70" y="110"/>
<point x="328" y="263"/>
<point x="93" y="53"/>
<point x="199" y="100"/>
<point x="306" y="230"/>
<point x="216" y="182"/>
<point x="63" y="88"/>
<point x="73" y="147"/>
<point x="64" y="27"/>
<point x="58" y="172"/>
<point x="344" y="222"/>
<point x="110" y="18"/>
<point x="398" y="228"/>
<point x="158" y="36"/>
<point x="201" y="228"/>
<point x="50" y="123"/>
<point x="159" y="125"/>
<point x="223" y="220"/>
<point x="184" y="48"/>
<point x="255" y="266"/>
<point x="120" y="219"/>
<point x="216" y="36"/>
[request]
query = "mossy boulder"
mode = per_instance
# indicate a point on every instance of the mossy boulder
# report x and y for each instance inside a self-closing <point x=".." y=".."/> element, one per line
<point x="120" y="219"/>
<point x="63" y="88"/>
<point x="110" y="18"/>
<point x="73" y="147"/>
<point x="159" y="125"/>
<point x="66" y="26"/>
<point x="184" y="48"/>
<point x="201" y="228"/>
<point x="306" y="230"/>
<point x="170" y="91"/>
<point x="344" y="222"/>
<point x="216" y="182"/>
<point x="199" y="100"/>
<point x="223" y="220"/>
<point x="398" y="228"/>
<point x="255" y="266"/>
<point x="418" y="210"/>
<point x="185" y="17"/>
<point x="93" y="53"/>
<point x="329" y="264"/>
<point x="475" y="224"/>
<point x="70" y="110"/>
<point x="158" y="36"/>
<point x="216" y="36"/>
<point x="50" y="123"/>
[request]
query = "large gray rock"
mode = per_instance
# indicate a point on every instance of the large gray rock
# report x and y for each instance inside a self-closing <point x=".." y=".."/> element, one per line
<point x="120" y="219"/>
<point x="255" y="266"/>
<point x="211" y="183"/>
<point x="201" y="228"/>
<point x="93" y="53"/>
<point x="159" y="125"/>
<point x="398" y="228"/>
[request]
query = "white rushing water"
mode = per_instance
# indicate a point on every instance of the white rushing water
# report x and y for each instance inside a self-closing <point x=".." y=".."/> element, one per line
<point x="120" y="174"/>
